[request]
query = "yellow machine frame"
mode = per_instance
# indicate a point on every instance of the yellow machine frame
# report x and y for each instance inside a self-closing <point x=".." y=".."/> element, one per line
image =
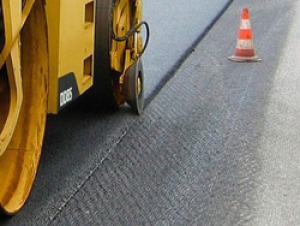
<point x="48" y="61"/>
<point x="71" y="47"/>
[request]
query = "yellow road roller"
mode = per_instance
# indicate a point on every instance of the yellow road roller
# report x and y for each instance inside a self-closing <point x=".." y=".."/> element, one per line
<point x="52" y="52"/>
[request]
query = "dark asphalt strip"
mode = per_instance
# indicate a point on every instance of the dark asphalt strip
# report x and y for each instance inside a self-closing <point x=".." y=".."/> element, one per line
<point x="184" y="56"/>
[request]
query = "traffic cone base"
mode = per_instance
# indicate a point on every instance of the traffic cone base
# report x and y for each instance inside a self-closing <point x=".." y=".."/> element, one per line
<point x="244" y="59"/>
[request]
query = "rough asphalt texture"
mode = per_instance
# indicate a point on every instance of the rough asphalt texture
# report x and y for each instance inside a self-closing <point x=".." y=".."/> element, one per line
<point x="219" y="145"/>
<point x="175" y="28"/>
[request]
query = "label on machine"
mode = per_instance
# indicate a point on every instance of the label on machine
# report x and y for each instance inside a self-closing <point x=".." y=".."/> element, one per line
<point x="67" y="90"/>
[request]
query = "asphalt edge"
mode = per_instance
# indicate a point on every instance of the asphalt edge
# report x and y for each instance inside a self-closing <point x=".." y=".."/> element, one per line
<point x="170" y="74"/>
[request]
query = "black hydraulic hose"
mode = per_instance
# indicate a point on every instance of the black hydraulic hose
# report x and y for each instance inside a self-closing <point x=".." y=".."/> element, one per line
<point x="131" y="32"/>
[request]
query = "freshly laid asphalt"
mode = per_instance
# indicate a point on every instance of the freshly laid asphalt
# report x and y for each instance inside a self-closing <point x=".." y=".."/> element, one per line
<point x="218" y="145"/>
<point x="176" y="27"/>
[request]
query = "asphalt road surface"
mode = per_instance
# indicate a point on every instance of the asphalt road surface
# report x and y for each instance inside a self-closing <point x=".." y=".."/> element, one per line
<point x="175" y="29"/>
<point x="218" y="145"/>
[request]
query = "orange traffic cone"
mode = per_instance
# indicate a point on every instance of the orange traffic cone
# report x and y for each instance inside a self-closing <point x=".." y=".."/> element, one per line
<point x="244" y="50"/>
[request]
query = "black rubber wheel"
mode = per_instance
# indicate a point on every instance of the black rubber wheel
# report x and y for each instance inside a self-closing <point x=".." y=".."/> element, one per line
<point x="134" y="87"/>
<point x="102" y="90"/>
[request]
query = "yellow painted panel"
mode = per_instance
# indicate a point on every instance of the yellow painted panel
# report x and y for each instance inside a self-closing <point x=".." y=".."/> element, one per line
<point x="71" y="41"/>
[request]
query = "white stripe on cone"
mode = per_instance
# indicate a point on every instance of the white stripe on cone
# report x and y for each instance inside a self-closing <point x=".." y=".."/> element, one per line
<point x="245" y="24"/>
<point x="244" y="44"/>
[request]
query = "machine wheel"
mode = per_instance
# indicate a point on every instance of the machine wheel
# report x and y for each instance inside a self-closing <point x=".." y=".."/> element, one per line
<point x="103" y="88"/>
<point x="20" y="160"/>
<point x="134" y="87"/>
